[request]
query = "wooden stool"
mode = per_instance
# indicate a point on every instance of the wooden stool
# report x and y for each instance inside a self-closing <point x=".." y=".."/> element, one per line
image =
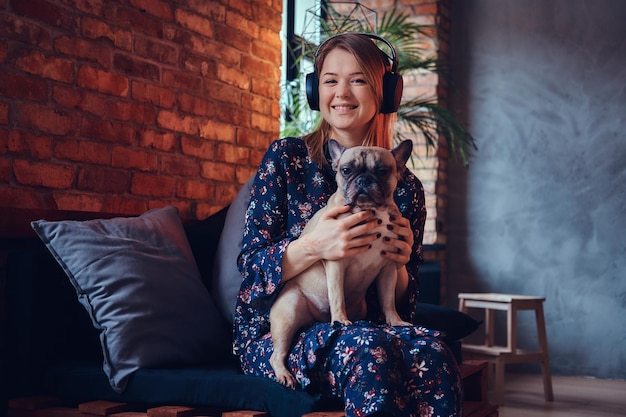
<point x="501" y="355"/>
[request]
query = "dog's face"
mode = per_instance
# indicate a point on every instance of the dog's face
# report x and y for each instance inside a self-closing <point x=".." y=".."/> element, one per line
<point x="368" y="175"/>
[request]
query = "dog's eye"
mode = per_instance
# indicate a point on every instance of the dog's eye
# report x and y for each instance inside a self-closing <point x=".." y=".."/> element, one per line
<point x="346" y="171"/>
<point x="383" y="172"/>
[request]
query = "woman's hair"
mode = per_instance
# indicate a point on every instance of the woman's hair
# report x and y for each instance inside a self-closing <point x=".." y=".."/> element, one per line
<point x="374" y="64"/>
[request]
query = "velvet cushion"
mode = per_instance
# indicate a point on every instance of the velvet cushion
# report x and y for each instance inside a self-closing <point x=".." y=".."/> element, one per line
<point x="226" y="275"/>
<point x="138" y="281"/>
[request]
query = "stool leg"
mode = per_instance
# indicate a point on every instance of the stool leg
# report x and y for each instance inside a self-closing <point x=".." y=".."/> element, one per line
<point x="499" y="380"/>
<point x="543" y="347"/>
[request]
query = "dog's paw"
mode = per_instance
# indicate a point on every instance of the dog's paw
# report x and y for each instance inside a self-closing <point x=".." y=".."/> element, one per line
<point x="287" y="380"/>
<point x="398" y="322"/>
<point x="344" y="322"/>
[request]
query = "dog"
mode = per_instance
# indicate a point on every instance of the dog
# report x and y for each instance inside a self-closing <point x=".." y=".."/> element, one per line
<point x="335" y="290"/>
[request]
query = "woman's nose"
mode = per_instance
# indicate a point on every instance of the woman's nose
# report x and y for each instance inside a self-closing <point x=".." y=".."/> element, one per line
<point x="342" y="90"/>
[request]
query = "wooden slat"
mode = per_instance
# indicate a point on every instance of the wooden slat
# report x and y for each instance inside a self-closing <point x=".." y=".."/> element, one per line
<point x="103" y="408"/>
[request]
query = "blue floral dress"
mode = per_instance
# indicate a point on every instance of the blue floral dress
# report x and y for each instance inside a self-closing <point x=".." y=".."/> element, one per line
<point x="403" y="371"/>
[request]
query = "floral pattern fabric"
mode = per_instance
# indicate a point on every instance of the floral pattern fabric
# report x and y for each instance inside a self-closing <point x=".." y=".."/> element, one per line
<point x="404" y="371"/>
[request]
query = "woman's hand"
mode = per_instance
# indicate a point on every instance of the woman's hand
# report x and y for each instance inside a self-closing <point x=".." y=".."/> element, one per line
<point x="331" y="238"/>
<point x="335" y="238"/>
<point x="400" y="248"/>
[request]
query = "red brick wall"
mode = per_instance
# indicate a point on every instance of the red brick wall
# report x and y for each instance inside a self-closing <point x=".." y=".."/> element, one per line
<point x="126" y="105"/>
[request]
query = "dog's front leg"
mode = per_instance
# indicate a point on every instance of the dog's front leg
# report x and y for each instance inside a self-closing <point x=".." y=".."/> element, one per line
<point x="386" y="285"/>
<point x="336" y="292"/>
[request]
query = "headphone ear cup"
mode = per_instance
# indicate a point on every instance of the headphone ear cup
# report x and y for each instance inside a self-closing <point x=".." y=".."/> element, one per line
<point x="312" y="90"/>
<point x="392" y="92"/>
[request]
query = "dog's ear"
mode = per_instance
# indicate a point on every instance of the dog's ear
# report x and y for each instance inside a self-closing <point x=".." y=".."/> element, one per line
<point x="402" y="153"/>
<point x="335" y="149"/>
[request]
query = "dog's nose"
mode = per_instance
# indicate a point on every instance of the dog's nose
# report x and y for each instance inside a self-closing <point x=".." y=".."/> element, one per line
<point x="363" y="181"/>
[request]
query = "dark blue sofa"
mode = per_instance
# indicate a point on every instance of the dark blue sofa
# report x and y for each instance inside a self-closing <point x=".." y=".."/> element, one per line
<point x="49" y="346"/>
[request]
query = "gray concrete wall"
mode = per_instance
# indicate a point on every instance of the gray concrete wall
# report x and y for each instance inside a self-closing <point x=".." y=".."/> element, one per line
<point x="541" y="209"/>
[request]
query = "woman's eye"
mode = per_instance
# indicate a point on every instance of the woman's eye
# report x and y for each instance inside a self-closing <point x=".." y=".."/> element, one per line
<point x="359" y="81"/>
<point x="330" y="81"/>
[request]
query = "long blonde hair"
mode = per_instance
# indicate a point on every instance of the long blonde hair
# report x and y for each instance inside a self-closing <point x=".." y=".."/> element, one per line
<point x="373" y="63"/>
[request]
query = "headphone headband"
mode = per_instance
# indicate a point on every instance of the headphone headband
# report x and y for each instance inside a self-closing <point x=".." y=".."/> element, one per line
<point x="392" y="81"/>
<point x="393" y="58"/>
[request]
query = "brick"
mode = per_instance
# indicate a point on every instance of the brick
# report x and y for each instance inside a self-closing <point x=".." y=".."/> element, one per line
<point x="4" y="113"/>
<point x="242" y="7"/>
<point x="162" y="141"/>
<point x="45" y="11"/>
<point x="139" y="21"/>
<point x="73" y="98"/>
<point x="270" y="16"/>
<point x="41" y="174"/>
<point x="194" y="189"/>
<point x="222" y="92"/>
<point x="232" y="37"/>
<point x="104" y="180"/>
<point x="194" y="22"/>
<point x="6" y="171"/>
<point x="260" y="67"/>
<point x="105" y="82"/>
<point x="107" y="130"/>
<point x="152" y="185"/>
<point x="235" y="116"/>
<point x="267" y="52"/>
<point x="24" y="198"/>
<point x="95" y="7"/>
<point x="153" y="94"/>
<point x="181" y="166"/>
<point x="177" y="123"/>
<point x="198" y="64"/>
<point x="79" y="202"/>
<point x="255" y="102"/>
<point x="243" y="173"/>
<point x="4" y="51"/>
<point x="225" y="192"/>
<point x="124" y="205"/>
<point x="28" y="144"/>
<point x="24" y="31"/>
<point x="48" y="120"/>
<point x="83" y="49"/>
<point x="156" y="51"/>
<point x="212" y="129"/>
<point x="195" y="105"/>
<point x="26" y="87"/>
<point x="181" y="80"/>
<point x="233" y="76"/>
<point x="217" y="171"/>
<point x="265" y="88"/>
<point x="134" y="67"/>
<point x="122" y="157"/>
<point x="264" y="123"/>
<point x="231" y="153"/>
<point x="243" y="24"/>
<point x="120" y="110"/>
<point x="193" y="146"/>
<point x="213" y="10"/>
<point x="97" y="29"/>
<point x="157" y="8"/>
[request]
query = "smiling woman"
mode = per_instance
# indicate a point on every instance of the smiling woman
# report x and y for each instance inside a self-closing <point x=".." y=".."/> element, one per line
<point x="371" y="366"/>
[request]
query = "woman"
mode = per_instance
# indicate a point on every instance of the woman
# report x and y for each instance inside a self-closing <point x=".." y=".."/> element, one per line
<point x="376" y="369"/>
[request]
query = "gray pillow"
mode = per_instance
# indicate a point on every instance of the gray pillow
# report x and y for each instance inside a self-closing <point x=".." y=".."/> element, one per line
<point x="138" y="280"/>
<point x="226" y="275"/>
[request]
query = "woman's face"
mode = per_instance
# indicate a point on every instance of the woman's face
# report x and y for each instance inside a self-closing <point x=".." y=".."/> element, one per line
<point x="347" y="101"/>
